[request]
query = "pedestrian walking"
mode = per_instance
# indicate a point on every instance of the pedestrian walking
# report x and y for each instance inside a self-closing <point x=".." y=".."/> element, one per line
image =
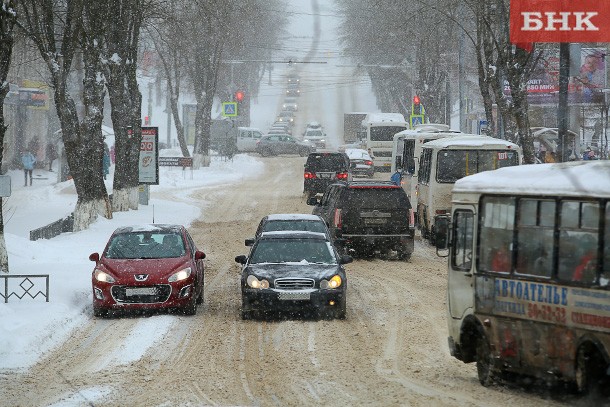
<point x="106" y="161"/>
<point x="28" y="160"/>
<point x="51" y="154"/>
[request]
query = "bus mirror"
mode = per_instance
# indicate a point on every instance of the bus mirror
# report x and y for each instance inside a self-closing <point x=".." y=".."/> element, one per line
<point x="441" y="232"/>
<point x="398" y="162"/>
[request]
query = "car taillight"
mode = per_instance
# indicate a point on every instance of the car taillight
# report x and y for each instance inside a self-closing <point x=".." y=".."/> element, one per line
<point x="342" y="175"/>
<point x="368" y="162"/>
<point x="338" y="222"/>
<point x="411" y="218"/>
<point x="309" y="175"/>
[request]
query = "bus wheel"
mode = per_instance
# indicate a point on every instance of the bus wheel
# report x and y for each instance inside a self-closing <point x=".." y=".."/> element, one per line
<point x="590" y="371"/>
<point x="485" y="361"/>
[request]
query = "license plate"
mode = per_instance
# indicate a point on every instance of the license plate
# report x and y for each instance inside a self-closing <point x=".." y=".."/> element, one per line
<point x="325" y="175"/>
<point x="387" y="165"/>
<point x="140" y="291"/>
<point x="295" y="296"/>
<point x="375" y="221"/>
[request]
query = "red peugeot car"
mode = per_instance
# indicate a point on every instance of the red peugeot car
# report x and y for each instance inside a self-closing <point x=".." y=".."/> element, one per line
<point x="148" y="267"/>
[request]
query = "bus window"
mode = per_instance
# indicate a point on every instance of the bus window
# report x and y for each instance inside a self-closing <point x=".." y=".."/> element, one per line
<point x="455" y="164"/>
<point x="409" y="156"/>
<point x="497" y="225"/>
<point x="425" y="166"/>
<point x="461" y="258"/>
<point x="535" y="237"/>
<point x="578" y="241"/>
<point x="605" y="277"/>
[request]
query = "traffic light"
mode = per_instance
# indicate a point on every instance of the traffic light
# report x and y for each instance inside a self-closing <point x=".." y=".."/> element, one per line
<point x="239" y="96"/>
<point x="416" y="107"/>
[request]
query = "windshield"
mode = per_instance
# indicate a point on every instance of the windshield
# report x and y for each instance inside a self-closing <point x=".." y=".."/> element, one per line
<point x="325" y="162"/>
<point x="314" y="133"/>
<point x="297" y="225"/>
<point x="145" y="245"/>
<point x="377" y="198"/>
<point x="385" y="133"/>
<point x="456" y="164"/>
<point x="292" y="251"/>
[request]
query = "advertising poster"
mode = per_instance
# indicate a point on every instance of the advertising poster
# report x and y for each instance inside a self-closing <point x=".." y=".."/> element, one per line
<point x="585" y="84"/>
<point x="148" y="165"/>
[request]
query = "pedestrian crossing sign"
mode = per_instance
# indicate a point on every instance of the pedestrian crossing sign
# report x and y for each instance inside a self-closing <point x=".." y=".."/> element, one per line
<point x="416" y="119"/>
<point x="229" y="109"/>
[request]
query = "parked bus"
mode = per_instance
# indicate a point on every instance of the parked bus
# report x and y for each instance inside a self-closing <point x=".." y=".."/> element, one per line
<point x="406" y="149"/>
<point x="529" y="272"/>
<point x="380" y="129"/>
<point x="446" y="160"/>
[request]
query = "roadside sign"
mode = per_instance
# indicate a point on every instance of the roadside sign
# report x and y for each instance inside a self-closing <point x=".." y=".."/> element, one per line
<point x="482" y="126"/>
<point x="229" y="109"/>
<point x="416" y="119"/>
<point x="148" y="167"/>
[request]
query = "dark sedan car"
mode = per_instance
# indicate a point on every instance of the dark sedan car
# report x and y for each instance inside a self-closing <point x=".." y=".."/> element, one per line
<point x="293" y="272"/>
<point x="148" y="267"/>
<point x="289" y="221"/>
<point x="275" y="144"/>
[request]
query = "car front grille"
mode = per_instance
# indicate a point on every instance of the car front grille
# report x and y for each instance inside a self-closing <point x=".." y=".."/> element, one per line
<point x="119" y="293"/>
<point x="294" y="283"/>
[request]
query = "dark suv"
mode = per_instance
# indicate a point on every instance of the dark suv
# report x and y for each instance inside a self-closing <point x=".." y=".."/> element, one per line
<point x="364" y="216"/>
<point x="322" y="169"/>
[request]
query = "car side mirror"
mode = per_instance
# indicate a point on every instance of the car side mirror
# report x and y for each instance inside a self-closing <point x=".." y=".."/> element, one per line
<point x="249" y="242"/>
<point x="241" y="259"/>
<point x="313" y="201"/>
<point x="199" y="255"/>
<point x="441" y="232"/>
<point x="94" y="257"/>
<point x="345" y="259"/>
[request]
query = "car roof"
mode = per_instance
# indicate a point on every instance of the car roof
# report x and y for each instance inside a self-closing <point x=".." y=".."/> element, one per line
<point x="327" y="152"/>
<point x="357" y="153"/>
<point x="153" y="227"/>
<point x="276" y="134"/>
<point x="292" y="216"/>
<point x="372" y="184"/>
<point x="293" y="234"/>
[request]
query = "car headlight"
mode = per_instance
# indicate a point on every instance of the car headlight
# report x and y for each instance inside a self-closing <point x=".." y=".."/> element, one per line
<point x="334" y="282"/>
<point x="103" y="277"/>
<point x="254" y="282"/>
<point x="180" y="275"/>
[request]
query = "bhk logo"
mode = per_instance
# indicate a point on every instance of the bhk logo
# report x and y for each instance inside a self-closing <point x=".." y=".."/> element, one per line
<point x="559" y="21"/>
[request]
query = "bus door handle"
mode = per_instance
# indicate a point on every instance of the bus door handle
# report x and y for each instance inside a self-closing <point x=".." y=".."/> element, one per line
<point x="469" y="274"/>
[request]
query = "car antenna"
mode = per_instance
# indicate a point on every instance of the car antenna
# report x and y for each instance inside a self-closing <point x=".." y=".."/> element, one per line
<point x="153" y="220"/>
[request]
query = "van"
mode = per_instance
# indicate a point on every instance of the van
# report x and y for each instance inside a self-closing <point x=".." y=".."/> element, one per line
<point x="247" y="137"/>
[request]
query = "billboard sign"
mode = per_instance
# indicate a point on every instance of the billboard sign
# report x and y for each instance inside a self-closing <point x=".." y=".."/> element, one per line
<point x="559" y="21"/>
<point x="584" y="87"/>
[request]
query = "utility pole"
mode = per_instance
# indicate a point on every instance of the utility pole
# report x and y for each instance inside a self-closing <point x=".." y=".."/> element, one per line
<point x="562" y="109"/>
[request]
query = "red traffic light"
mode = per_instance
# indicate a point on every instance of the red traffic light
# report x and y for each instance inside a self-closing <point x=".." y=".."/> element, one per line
<point x="239" y="95"/>
<point x="416" y="100"/>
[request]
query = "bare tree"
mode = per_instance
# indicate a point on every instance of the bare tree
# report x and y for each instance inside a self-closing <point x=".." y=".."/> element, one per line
<point x="8" y="17"/>
<point x="119" y="41"/>
<point x="170" y="45"/>
<point x="56" y="29"/>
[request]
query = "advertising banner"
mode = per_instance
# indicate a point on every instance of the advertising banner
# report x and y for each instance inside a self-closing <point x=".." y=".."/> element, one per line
<point x="584" y="87"/>
<point x="559" y="21"/>
<point x="148" y="166"/>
